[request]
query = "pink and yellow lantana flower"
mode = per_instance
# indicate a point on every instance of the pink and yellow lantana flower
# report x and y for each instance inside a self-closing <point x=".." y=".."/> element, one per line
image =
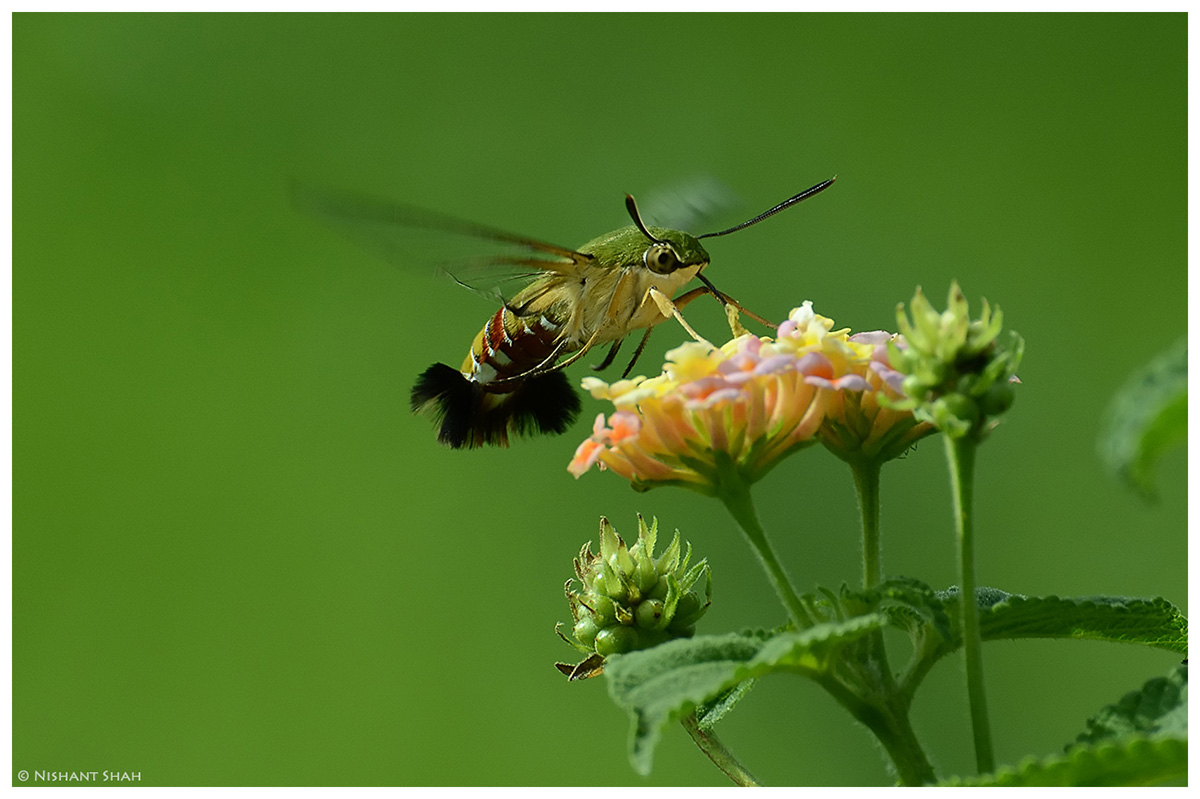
<point x="746" y="404"/>
<point x="863" y="422"/>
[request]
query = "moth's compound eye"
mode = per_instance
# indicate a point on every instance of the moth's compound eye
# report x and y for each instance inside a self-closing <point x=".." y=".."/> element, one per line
<point x="661" y="259"/>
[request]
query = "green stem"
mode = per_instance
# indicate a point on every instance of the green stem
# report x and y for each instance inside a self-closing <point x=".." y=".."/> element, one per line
<point x="896" y="734"/>
<point x="960" y="453"/>
<point x="735" y="493"/>
<point x="721" y="757"/>
<point x="866" y="480"/>
<point x="888" y="720"/>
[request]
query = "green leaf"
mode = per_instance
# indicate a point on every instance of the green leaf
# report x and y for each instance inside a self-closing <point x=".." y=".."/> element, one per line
<point x="1137" y="760"/>
<point x="1150" y="622"/>
<point x="715" y="709"/>
<point x="1158" y="707"/>
<point x="1141" y="740"/>
<point x="1146" y="417"/>
<point x="657" y="686"/>
<point x="909" y="604"/>
<point x="708" y="713"/>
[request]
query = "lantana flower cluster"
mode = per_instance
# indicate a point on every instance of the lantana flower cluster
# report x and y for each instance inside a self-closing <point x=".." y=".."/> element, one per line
<point x="866" y="420"/>
<point x="748" y="404"/>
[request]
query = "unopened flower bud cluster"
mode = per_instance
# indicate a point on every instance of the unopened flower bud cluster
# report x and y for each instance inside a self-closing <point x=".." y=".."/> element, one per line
<point x="957" y="375"/>
<point x="624" y="598"/>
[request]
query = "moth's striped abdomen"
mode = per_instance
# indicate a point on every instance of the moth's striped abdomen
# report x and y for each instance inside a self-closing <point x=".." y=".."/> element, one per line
<point x="487" y="400"/>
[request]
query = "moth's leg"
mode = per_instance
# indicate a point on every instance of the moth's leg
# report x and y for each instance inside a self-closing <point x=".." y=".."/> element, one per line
<point x="608" y="359"/>
<point x="731" y="308"/>
<point x="637" y="353"/>
<point x="610" y="316"/>
<point x="547" y="364"/>
<point x="591" y="342"/>
<point x="726" y="301"/>
<point x="688" y="296"/>
<point x="676" y="304"/>
<point x="731" y="302"/>
<point x="669" y="308"/>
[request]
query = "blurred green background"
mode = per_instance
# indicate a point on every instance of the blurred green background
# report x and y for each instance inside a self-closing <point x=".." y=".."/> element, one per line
<point x="238" y="559"/>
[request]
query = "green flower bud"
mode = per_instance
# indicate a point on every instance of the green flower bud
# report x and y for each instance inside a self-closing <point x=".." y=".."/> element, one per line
<point x="624" y="598"/>
<point x="956" y="372"/>
<point x="585" y="630"/>
<point x="616" y="640"/>
<point x="688" y="610"/>
<point x="646" y="575"/>
<point x="997" y="399"/>
<point x="955" y="413"/>
<point x="649" y="613"/>
<point x="604" y="610"/>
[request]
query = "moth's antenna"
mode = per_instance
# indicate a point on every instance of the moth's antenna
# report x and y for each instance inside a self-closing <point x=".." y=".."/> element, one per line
<point x="631" y="206"/>
<point x="788" y="203"/>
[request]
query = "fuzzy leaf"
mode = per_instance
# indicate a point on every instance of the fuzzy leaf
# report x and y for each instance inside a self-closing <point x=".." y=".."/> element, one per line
<point x="1151" y="622"/>
<point x="1147" y="416"/>
<point x="710" y="712"/>
<point x="715" y="709"/>
<point x="1136" y="760"/>
<point x="659" y="685"/>
<point x="1157" y="708"/>
<point x="909" y="604"/>
<point x="1141" y="740"/>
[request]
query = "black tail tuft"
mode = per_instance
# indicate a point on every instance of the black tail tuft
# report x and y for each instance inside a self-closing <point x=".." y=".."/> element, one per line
<point x="467" y="416"/>
<point x="451" y="399"/>
<point x="544" y="404"/>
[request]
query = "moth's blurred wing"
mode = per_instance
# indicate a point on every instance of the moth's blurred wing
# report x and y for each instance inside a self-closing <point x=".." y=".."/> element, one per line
<point x="491" y="262"/>
<point x="690" y="205"/>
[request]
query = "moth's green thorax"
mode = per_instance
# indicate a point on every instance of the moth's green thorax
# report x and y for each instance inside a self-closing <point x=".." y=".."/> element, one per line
<point x="627" y="246"/>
